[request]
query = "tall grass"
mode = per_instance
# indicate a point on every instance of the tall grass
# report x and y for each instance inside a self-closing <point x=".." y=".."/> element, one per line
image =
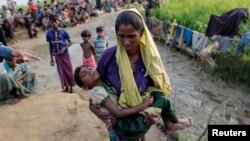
<point x="195" y="14"/>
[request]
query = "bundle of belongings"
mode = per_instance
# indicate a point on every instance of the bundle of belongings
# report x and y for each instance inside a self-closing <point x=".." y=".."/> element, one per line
<point x="228" y="23"/>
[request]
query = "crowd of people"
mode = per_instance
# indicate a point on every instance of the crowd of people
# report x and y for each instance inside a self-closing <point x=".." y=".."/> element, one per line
<point x="39" y="15"/>
<point x="127" y="83"/>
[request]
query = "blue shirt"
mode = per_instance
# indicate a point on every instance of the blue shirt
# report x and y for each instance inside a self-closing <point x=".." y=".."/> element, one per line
<point x="100" y="45"/>
<point x="5" y="52"/>
<point x="19" y="69"/>
<point x="57" y="39"/>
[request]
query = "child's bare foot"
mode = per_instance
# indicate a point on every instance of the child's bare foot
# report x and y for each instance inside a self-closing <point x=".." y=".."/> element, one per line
<point x="170" y="127"/>
<point x="186" y="121"/>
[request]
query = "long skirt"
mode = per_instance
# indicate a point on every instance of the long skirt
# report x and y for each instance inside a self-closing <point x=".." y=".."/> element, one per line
<point x="65" y="70"/>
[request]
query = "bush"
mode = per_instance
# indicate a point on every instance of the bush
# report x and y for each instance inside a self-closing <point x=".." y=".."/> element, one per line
<point x="233" y="68"/>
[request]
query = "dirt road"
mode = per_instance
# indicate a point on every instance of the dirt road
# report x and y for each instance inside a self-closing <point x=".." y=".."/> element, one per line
<point x="51" y="116"/>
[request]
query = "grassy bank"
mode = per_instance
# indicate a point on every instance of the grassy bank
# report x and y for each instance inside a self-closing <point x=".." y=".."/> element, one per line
<point x="195" y="14"/>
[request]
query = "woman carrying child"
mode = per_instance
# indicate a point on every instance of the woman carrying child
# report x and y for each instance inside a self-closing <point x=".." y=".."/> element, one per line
<point x="135" y="70"/>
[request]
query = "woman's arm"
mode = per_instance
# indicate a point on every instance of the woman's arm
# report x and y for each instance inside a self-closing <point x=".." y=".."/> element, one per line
<point x="105" y="117"/>
<point x="119" y="113"/>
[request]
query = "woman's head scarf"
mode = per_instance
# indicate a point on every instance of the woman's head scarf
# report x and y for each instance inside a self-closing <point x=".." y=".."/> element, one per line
<point x="130" y="95"/>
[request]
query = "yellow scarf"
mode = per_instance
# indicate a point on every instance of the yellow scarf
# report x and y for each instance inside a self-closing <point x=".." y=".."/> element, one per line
<point x="130" y="95"/>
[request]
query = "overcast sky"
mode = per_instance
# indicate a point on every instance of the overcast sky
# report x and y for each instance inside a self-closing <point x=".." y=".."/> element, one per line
<point x="19" y="2"/>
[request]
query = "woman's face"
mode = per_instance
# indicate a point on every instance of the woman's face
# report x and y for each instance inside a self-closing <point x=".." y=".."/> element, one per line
<point x="129" y="37"/>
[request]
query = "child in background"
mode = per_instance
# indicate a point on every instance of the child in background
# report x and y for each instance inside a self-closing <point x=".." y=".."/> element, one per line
<point x="100" y="42"/>
<point x="88" y="50"/>
<point x="33" y="31"/>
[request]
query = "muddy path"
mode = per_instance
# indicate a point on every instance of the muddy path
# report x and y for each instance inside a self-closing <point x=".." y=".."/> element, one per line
<point x="194" y="93"/>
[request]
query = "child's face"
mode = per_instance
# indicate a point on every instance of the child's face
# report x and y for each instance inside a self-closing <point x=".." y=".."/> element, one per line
<point x="88" y="76"/>
<point x="100" y="33"/>
<point x="56" y="24"/>
<point x="12" y="63"/>
<point x="86" y="38"/>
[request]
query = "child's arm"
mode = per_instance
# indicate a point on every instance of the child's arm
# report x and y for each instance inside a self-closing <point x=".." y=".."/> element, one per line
<point x="93" y="50"/>
<point x="119" y="113"/>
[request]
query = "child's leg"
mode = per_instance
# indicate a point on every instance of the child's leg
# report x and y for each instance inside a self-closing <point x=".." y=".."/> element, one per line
<point x="168" y="114"/>
<point x="164" y="103"/>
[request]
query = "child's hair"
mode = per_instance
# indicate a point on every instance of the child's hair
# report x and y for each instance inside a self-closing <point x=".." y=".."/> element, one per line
<point x="77" y="76"/>
<point x="55" y="19"/>
<point x="99" y="29"/>
<point x="86" y="33"/>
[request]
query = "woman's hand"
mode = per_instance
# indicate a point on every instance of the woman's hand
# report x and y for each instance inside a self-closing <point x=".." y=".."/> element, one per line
<point x="151" y="119"/>
<point x="148" y="101"/>
<point x="107" y="118"/>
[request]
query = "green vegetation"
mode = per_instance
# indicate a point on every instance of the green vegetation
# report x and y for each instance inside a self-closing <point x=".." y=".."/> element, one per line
<point x="195" y="14"/>
<point x="233" y="68"/>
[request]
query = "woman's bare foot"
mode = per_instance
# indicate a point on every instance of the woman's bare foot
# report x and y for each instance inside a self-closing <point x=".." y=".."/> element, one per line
<point x="184" y="123"/>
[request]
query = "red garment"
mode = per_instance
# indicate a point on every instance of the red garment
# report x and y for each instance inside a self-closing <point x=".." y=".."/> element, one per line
<point x="33" y="7"/>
